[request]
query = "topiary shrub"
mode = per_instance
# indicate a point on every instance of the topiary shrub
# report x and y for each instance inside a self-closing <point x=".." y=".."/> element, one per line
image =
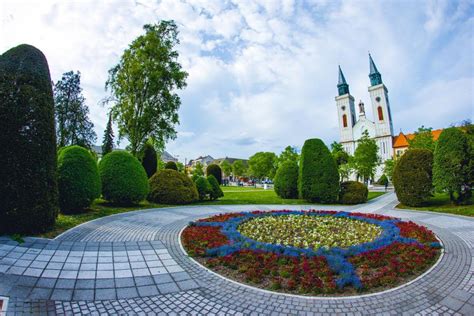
<point x="353" y="192"/>
<point x="318" y="175"/>
<point x="412" y="176"/>
<point x="28" y="187"/>
<point x="149" y="159"/>
<point x="203" y="187"/>
<point x="171" y="165"/>
<point x="124" y="181"/>
<point x="383" y="180"/>
<point x="78" y="179"/>
<point x="172" y="187"/>
<point x="216" y="171"/>
<point x="216" y="191"/>
<point x="286" y="180"/>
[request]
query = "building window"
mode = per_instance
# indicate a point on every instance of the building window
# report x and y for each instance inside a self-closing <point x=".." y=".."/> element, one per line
<point x="379" y="110"/>
<point x="344" y="120"/>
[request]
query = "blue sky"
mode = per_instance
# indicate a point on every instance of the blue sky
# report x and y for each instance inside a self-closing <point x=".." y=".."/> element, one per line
<point x="263" y="74"/>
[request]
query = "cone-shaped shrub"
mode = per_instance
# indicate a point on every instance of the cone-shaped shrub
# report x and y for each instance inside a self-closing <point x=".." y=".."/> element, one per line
<point x="203" y="187"/>
<point x="318" y="175"/>
<point x="171" y="165"/>
<point x="216" y="171"/>
<point x="216" y="191"/>
<point x="172" y="187"/>
<point x="353" y="192"/>
<point x="124" y="180"/>
<point x="28" y="188"/>
<point x="149" y="159"/>
<point x="78" y="179"/>
<point x="286" y="180"/>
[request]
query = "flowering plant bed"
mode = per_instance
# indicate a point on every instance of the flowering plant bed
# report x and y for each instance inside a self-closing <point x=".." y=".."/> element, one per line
<point x="312" y="252"/>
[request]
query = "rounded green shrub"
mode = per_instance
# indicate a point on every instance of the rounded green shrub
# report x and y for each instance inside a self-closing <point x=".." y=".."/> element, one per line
<point x="353" y="192"/>
<point x="383" y="180"/>
<point x="203" y="187"/>
<point x="149" y="159"/>
<point x="412" y="177"/>
<point x="78" y="179"/>
<point x="124" y="181"/>
<point x="286" y="180"/>
<point x="171" y="165"/>
<point x="318" y="175"/>
<point x="172" y="187"/>
<point x="215" y="188"/>
<point x="28" y="183"/>
<point x="216" y="171"/>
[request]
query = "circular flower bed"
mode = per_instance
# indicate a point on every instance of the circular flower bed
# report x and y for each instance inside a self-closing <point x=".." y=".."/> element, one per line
<point x="312" y="252"/>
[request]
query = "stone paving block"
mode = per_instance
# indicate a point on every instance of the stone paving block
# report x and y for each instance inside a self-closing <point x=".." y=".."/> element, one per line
<point x="86" y="274"/>
<point x="172" y="269"/>
<point x="85" y="284"/>
<point x="68" y="274"/>
<point x="127" y="292"/>
<point x="105" y="283"/>
<point x="40" y="293"/>
<point x="123" y="273"/>
<point x="46" y="282"/>
<point x="140" y="272"/>
<point x="162" y="278"/>
<point x="62" y="294"/>
<point x="38" y="264"/>
<point x="147" y="290"/>
<point x="146" y="280"/>
<point x="105" y="274"/>
<point x="33" y="272"/>
<point x="187" y="285"/>
<point x="105" y="294"/>
<point x="124" y="282"/>
<point x="66" y="283"/>
<point x="157" y="271"/>
<point x="83" y="295"/>
<point x="50" y="273"/>
<point x="180" y="276"/>
<point x="166" y="288"/>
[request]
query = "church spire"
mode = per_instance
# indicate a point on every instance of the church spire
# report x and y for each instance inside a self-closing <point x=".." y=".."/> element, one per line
<point x="374" y="75"/>
<point x="342" y="86"/>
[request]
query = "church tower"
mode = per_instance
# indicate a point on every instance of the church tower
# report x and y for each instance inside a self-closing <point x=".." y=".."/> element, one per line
<point x="381" y="111"/>
<point x="346" y="114"/>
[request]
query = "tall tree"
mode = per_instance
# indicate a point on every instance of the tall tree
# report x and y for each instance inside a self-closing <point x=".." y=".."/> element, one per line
<point x="288" y="154"/>
<point x="263" y="164"/>
<point x="238" y="168"/>
<point x="423" y="139"/>
<point x="226" y="167"/>
<point x="108" y="141"/>
<point x="365" y="157"/>
<point x="73" y="126"/>
<point x="338" y="153"/>
<point x="143" y="87"/>
<point x="389" y="166"/>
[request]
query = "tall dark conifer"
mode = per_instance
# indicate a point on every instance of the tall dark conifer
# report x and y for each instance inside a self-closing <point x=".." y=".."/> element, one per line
<point x="108" y="141"/>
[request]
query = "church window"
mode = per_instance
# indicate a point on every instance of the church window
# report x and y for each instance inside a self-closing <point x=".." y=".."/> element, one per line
<point x="344" y="120"/>
<point x="379" y="110"/>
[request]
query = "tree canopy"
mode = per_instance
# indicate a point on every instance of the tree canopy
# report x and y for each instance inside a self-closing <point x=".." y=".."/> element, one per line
<point x="238" y="168"/>
<point x="365" y="157"/>
<point x="290" y="153"/>
<point x="423" y="139"/>
<point x="226" y="167"/>
<point x="263" y="164"/>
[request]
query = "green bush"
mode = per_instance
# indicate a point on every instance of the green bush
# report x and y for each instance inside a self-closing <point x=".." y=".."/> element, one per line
<point x="124" y="181"/>
<point x="171" y="165"/>
<point x="149" y="159"/>
<point x="28" y="184"/>
<point x="216" y="171"/>
<point x="172" y="187"/>
<point x="318" y="175"/>
<point x="353" y="192"/>
<point x="383" y="180"/>
<point x="412" y="176"/>
<point x="216" y="191"/>
<point x="286" y="180"/>
<point x="203" y="187"/>
<point x="78" y="179"/>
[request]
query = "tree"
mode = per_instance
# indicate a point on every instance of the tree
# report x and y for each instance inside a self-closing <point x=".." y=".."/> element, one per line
<point x="468" y="128"/>
<point x="149" y="159"/>
<point x="216" y="171"/>
<point x="286" y="180"/>
<point x="288" y="154"/>
<point x="108" y="140"/>
<point x="215" y="191"/>
<point x="28" y="187"/>
<point x="198" y="169"/>
<point x="180" y="166"/>
<point x="263" y="164"/>
<point x="171" y="165"/>
<point x="226" y="167"/>
<point x="339" y="154"/>
<point x="238" y="168"/>
<point x="73" y="126"/>
<point x="423" y="139"/>
<point x="203" y="187"/>
<point x="365" y="157"/>
<point x="143" y="87"/>
<point x="346" y="169"/>
<point x="389" y="166"/>
<point x="451" y="165"/>
<point x="318" y="176"/>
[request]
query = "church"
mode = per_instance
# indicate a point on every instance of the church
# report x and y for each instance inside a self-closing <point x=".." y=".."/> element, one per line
<point x="352" y="126"/>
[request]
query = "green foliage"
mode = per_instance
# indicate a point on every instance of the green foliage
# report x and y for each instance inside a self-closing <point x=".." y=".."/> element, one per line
<point x="160" y="164"/>
<point x="108" y="140"/>
<point x="289" y="154"/>
<point x="383" y="180"/>
<point x="286" y="180"/>
<point x="263" y="164"/>
<point x="149" y="159"/>
<point x="468" y="128"/>
<point x="144" y="85"/>
<point x="28" y="187"/>
<point x="389" y="166"/>
<point x="318" y="176"/>
<point x="451" y="169"/>
<point x="78" y="179"/>
<point x="198" y="170"/>
<point x="216" y="171"/>
<point x="226" y="167"/>
<point x="239" y="169"/>
<point x="216" y="191"/>
<point x="365" y="157"/>
<point x="172" y="187"/>
<point x="171" y="165"/>
<point x="203" y="187"/>
<point x="423" y="139"/>
<point x="353" y="192"/>
<point x="124" y="181"/>
<point x="412" y="177"/>
<point x="339" y="154"/>
<point x="180" y="166"/>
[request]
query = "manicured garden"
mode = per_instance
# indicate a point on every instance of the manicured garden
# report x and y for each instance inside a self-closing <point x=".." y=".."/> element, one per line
<point x="312" y="252"/>
<point x="441" y="203"/>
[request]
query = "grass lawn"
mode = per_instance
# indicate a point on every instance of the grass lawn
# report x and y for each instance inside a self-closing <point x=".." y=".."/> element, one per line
<point x="232" y="195"/>
<point x="440" y="203"/>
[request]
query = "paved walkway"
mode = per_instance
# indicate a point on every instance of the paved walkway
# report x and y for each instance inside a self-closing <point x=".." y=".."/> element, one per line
<point x="132" y="264"/>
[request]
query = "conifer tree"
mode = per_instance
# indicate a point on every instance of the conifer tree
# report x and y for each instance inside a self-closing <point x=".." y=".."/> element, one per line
<point x="108" y="141"/>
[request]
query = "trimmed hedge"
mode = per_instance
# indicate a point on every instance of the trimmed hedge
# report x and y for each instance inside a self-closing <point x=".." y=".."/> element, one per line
<point x="353" y="192"/>
<point x="172" y="187"/>
<point x="78" y="179"/>
<point x="412" y="176"/>
<point x="149" y="159"/>
<point x="171" y="165"/>
<point x="124" y="181"/>
<point x="383" y="180"/>
<point x="216" y="171"/>
<point x="203" y="187"/>
<point x="28" y="184"/>
<point x="215" y="189"/>
<point x="318" y="175"/>
<point x="286" y="180"/>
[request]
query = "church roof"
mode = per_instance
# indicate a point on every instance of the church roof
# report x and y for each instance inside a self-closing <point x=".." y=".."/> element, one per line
<point x="342" y="80"/>
<point x="373" y="68"/>
<point x="401" y="140"/>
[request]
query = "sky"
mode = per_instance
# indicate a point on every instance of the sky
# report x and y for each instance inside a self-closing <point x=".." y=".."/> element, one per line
<point x="263" y="74"/>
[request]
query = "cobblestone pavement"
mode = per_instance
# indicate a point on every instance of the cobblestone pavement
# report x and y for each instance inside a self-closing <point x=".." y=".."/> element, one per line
<point x="132" y="263"/>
